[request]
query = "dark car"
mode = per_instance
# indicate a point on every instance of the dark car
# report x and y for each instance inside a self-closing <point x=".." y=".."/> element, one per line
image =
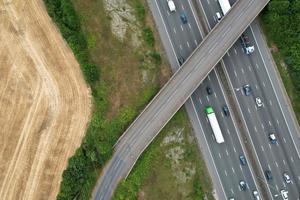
<point x="268" y="175"/>
<point x="243" y="160"/>
<point x="209" y="90"/>
<point x="243" y="185"/>
<point x="181" y="60"/>
<point x="247" y="90"/>
<point x="226" y="110"/>
<point x="183" y="18"/>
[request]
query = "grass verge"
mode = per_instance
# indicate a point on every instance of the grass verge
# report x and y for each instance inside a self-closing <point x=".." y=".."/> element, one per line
<point x="123" y="73"/>
<point x="171" y="168"/>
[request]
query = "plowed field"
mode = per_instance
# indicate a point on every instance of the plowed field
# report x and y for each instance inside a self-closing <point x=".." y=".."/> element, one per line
<point x="45" y="103"/>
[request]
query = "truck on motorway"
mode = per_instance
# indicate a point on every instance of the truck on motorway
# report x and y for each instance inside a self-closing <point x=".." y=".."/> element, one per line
<point x="225" y="6"/>
<point x="214" y="124"/>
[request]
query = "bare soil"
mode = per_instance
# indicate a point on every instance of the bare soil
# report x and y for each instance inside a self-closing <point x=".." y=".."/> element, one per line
<point x="45" y="103"/>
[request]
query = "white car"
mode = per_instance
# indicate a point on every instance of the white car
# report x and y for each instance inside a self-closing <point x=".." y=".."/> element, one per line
<point x="171" y="5"/>
<point x="259" y="102"/>
<point x="256" y="195"/>
<point x="219" y="16"/>
<point x="284" y="194"/>
<point x="286" y="177"/>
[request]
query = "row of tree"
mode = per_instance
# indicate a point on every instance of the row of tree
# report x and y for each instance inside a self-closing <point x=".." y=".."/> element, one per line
<point x="282" y="20"/>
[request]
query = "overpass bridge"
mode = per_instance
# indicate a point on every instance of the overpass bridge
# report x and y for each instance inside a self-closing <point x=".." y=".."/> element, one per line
<point x="174" y="94"/>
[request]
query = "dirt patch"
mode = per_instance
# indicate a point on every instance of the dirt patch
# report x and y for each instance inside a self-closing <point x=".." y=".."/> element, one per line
<point x="45" y="103"/>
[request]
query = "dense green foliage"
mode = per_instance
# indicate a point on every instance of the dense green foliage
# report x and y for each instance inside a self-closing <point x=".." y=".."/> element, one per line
<point x="282" y="21"/>
<point x="64" y="15"/>
<point x="84" y="167"/>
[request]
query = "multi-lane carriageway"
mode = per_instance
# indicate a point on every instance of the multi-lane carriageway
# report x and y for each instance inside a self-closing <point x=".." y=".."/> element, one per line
<point x="174" y="94"/>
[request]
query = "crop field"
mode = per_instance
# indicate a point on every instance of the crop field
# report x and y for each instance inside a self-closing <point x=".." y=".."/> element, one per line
<point x="45" y="104"/>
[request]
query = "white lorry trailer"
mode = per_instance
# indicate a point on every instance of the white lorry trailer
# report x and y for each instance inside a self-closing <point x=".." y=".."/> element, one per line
<point x="214" y="124"/>
<point x="225" y="6"/>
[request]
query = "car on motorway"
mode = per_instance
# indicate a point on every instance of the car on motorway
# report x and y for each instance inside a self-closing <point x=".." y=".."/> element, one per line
<point x="171" y="5"/>
<point x="183" y="18"/>
<point x="226" y="110"/>
<point x="230" y="198"/>
<point x="246" y="44"/>
<point x="286" y="177"/>
<point x="219" y="16"/>
<point x="181" y="60"/>
<point x="243" y="185"/>
<point x="209" y="90"/>
<point x="243" y="160"/>
<point x="272" y="138"/>
<point x="259" y="102"/>
<point x="284" y="194"/>
<point x="268" y="175"/>
<point x="255" y="195"/>
<point x="247" y="90"/>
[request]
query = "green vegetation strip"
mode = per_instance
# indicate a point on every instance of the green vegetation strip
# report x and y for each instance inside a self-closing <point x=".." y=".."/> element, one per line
<point x="281" y="24"/>
<point x="84" y="167"/>
<point x="171" y="168"/>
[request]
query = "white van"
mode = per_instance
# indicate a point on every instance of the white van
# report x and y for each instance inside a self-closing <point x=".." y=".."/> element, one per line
<point x="219" y="16"/>
<point x="171" y="5"/>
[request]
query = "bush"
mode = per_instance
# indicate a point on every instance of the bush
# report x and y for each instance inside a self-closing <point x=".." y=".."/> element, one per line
<point x="148" y="36"/>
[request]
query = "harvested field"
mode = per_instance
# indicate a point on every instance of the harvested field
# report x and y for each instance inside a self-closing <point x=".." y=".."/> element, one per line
<point x="45" y="103"/>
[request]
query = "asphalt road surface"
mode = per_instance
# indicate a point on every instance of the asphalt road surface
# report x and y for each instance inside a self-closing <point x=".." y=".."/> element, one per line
<point x="173" y="95"/>
<point x="259" y="71"/>
<point x="225" y="157"/>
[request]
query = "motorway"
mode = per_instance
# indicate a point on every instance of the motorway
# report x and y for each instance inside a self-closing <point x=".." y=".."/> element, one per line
<point x="257" y="70"/>
<point x="226" y="156"/>
<point x="173" y="95"/>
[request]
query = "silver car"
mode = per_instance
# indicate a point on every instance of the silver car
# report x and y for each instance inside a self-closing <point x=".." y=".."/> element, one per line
<point x="256" y="195"/>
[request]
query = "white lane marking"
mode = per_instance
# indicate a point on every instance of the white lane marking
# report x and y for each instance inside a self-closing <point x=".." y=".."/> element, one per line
<point x="292" y="159"/>
<point x="277" y="121"/>
<point x="215" y="94"/>
<point x="220" y="155"/>
<point x="264" y="84"/>
<point x="228" y="53"/>
<point x="234" y="149"/>
<point x="299" y="178"/>
<point x="277" y="187"/>
<point x="188" y="44"/>
<point x="189" y="25"/>
<point x="208" y="77"/>
<point x="228" y="131"/>
<point x="276" y="164"/>
<point x="227" y="153"/>
<point x="235" y="51"/>
<point x="214" y="18"/>
<point x="208" y="2"/>
<point x="174" y="30"/>
<point x="207" y="98"/>
<point x="284" y="185"/>
<point x="241" y="168"/>
<point x="222" y="114"/>
<point x="182" y="7"/>
<point x="284" y="162"/>
<point x="235" y="73"/>
<point x="168" y="13"/>
<point x="249" y="68"/>
<point x="270" y="146"/>
<point x="180" y="46"/>
<point x="298" y="154"/>
<point x="284" y="140"/>
<point x="270" y="123"/>
<point x="255" y="107"/>
<point x="262" y="148"/>
<point x="243" y="72"/>
<point x="257" y="66"/>
<point x="200" y="101"/>
<point x="196" y="43"/>
<point x="269" y="167"/>
<point x="256" y="86"/>
<point x="181" y="27"/>
<point x="249" y="111"/>
<point x="262" y="126"/>
<point x="233" y="170"/>
<point x="270" y="103"/>
<point x="255" y="128"/>
<point x="225" y="172"/>
<point x="231" y="191"/>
